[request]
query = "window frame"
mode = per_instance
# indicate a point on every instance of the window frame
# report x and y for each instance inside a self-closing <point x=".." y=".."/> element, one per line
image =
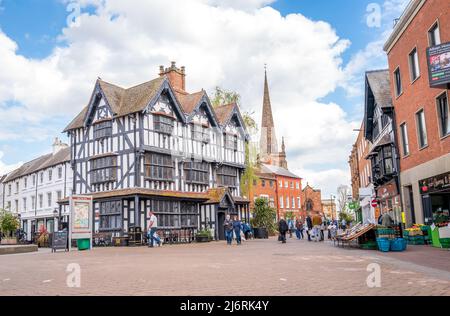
<point x="98" y="173"/>
<point x="430" y="33"/>
<point x="419" y="130"/>
<point x="102" y="129"/>
<point x="398" y="90"/>
<point x="224" y="176"/>
<point x="405" y="140"/>
<point x="442" y="95"/>
<point x="163" y="124"/>
<point x="194" y="171"/>
<point x="414" y="64"/>
<point x="154" y="160"/>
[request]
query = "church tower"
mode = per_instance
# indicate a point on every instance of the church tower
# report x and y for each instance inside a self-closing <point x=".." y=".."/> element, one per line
<point x="268" y="142"/>
<point x="268" y="146"/>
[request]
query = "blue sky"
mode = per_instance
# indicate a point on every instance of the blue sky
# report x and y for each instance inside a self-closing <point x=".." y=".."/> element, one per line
<point x="36" y="26"/>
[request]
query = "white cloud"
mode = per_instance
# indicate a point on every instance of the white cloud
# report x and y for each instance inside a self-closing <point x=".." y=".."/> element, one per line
<point x="223" y="43"/>
<point x="5" y="168"/>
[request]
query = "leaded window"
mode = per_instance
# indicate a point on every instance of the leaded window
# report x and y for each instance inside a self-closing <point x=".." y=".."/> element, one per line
<point x="200" y="133"/>
<point x="227" y="176"/>
<point x="231" y="142"/>
<point x="388" y="161"/>
<point x="159" y="167"/>
<point x="104" y="169"/>
<point x="110" y="216"/>
<point x="163" y="124"/>
<point x="103" y="129"/>
<point x="196" y="172"/>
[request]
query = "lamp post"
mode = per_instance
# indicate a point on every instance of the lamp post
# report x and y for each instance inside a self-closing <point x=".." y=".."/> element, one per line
<point x="56" y="216"/>
<point x="332" y="197"/>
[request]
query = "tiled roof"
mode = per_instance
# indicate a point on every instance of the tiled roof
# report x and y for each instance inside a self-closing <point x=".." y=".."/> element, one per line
<point x="40" y="163"/>
<point x="265" y="168"/>
<point x="213" y="196"/>
<point x="380" y="85"/>
<point x="189" y="101"/>
<point x="123" y="101"/>
<point x="223" y="112"/>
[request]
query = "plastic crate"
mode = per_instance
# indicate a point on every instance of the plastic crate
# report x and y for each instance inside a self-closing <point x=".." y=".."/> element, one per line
<point x="398" y="244"/>
<point x="445" y="242"/>
<point x="383" y="244"/>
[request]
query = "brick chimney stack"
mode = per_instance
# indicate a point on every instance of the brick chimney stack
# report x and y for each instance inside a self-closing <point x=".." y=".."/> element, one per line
<point x="176" y="76"/>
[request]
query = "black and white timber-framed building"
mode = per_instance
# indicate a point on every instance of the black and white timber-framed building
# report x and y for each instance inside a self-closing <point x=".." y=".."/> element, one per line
<point x="155" y="147"/>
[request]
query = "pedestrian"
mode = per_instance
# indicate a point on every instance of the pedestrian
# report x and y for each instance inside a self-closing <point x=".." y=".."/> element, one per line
<point x="237" y="229"/>
<point x="291" y="226"/>
<point x="299" y="228"/>
<point x="283" y="228"/>
<point x="317" y="222"/>
<point x="309" y="226"/>
<point x="246" y="228"/>
<point x="228" y="227"/>
<point x="386" y="220"/>
<point x="344" y="224"/>
<point x="322" y="228"/>
<point x="152" y="227"/>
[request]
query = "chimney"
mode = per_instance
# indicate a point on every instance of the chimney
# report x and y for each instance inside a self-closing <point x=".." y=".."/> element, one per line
<point x="176" y="76"/>
<point x="58" y="145"/>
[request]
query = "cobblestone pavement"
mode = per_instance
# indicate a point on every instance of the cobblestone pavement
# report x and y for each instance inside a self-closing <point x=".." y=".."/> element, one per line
<point x="258" y="267"/>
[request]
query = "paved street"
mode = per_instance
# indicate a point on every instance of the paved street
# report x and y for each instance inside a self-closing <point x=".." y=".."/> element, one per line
<point x="259" y="267"/>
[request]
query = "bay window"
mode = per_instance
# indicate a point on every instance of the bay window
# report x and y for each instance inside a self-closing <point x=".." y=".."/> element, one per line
<point x="163" y="124"/>
<point x="159" y="167"/>
<point x="103" y="169"/>
<point x="196" y="172"/>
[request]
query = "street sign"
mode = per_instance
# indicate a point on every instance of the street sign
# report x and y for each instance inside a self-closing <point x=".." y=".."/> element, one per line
<point x="374" y="203"/>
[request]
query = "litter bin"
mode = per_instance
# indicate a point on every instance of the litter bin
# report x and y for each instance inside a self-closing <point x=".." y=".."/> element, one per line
<point x="83" y="244"/>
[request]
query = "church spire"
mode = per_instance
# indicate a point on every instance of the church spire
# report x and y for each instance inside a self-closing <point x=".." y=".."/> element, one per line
<point x="268" y="143"/>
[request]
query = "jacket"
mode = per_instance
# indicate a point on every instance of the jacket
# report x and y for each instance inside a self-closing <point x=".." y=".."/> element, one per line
<point x="283" y="226"/>
<point x="228" y="225"/>
<point x="309" y="222"/>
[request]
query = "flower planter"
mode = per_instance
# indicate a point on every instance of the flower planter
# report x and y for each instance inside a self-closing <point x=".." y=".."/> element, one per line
<point x="9" y="241"/>
<point x="202" y="239"/>
<point x="261" y="233"/>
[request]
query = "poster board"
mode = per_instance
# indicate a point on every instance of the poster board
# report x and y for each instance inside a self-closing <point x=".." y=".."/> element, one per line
<point x="439" y="65"/>
<point x="60" y="240"/>
<point x="81" y="213"/>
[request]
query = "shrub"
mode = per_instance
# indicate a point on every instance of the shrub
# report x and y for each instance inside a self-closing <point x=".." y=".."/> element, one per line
<point x="8" y="222"/>
<point x="264" y="216"/>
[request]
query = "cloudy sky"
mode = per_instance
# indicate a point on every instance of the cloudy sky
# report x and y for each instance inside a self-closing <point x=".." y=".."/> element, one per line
<point x="316" y="51"/>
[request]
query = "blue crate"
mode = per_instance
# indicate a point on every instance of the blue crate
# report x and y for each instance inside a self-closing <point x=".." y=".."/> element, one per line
<point x="398" y="244"/>
<point x="383" y="244"/>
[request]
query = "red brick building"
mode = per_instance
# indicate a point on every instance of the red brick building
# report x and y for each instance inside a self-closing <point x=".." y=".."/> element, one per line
<point x="312" y="200"/>
<point x="421" y="109"/>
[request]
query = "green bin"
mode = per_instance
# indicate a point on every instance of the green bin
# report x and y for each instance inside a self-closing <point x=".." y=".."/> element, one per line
<point x="84" y="244"/>
<point x="435" y="238"/>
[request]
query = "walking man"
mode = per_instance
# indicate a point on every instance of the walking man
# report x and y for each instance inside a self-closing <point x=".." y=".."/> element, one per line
<point x="237" y="229"/>
<point x="228" y="227"/>
<point x="283" y="228"/>
<point x="309" y="226"/>
<point x="152" y="227"/>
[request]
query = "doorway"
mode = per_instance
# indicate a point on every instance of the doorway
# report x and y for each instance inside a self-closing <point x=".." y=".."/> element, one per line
<point x="411" y="203"/>
<point x="220" y="228"/>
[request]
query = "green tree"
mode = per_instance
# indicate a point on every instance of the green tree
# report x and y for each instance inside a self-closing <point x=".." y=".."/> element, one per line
<point x="264" y="216"/>
<point x="347" y="216"/>
<point x="8" y="222"/>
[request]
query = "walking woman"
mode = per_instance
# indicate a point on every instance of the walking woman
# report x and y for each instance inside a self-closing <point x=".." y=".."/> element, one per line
<point x="299" y="228"/>
<point x="228" y="227"/>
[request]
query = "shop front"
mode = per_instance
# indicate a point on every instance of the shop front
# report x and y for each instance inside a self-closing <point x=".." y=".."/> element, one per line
<point x="435" y="194"/>
<point x="390" y="201"/>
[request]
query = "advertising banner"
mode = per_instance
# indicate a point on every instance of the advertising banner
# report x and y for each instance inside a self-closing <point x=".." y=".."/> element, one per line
<point x="439" y="65"/>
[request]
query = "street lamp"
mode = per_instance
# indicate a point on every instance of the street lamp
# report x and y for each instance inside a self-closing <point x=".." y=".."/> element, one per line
<point x="56" y="216"/>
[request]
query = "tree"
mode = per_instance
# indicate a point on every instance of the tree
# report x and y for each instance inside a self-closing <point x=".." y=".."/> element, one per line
<point x="224" y="97"/>
<point x="343" y="192"/>
<point x="8" y="222"/>
<point x="264" y="216"/>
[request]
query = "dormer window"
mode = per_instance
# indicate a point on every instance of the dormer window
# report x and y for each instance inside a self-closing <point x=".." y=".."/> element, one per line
<point x="102" y="130"/>
<point x="163" y="124"/>
<point x="200" y="133"/>
<point x="231" y="142"/>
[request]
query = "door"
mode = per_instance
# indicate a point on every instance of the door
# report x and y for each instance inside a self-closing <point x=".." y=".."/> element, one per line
<point x="411" y="204"/>
<point x="220" y="228"/>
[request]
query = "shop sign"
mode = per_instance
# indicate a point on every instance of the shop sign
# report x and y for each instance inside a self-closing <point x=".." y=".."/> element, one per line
<point x="435" y="184"/>
<point x="439" y="65"/>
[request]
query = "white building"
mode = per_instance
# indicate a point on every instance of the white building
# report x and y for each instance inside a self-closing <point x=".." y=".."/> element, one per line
<point x="32" y="190"/>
